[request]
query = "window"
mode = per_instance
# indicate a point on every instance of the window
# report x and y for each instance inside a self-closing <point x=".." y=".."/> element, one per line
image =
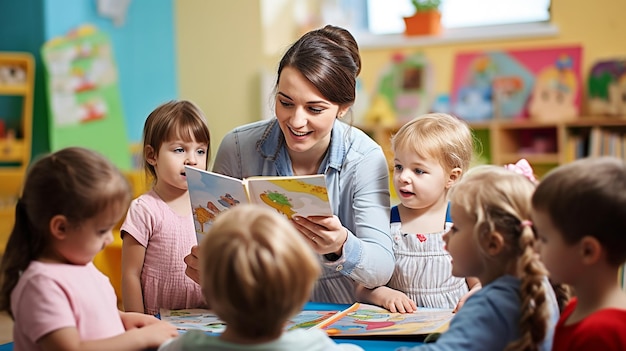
<point x="385" y="16"/>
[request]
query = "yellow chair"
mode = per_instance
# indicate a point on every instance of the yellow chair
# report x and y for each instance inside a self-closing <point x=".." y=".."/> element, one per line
<point x="109" y="260"/>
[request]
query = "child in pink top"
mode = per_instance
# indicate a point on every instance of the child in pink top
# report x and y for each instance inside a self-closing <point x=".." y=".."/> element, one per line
<point x="579" y="211"/>
<point x="58" y="299"/>
<point x="159" y="231"/>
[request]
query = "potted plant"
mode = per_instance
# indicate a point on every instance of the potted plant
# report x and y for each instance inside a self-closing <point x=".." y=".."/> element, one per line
<point x="426" y="20"/>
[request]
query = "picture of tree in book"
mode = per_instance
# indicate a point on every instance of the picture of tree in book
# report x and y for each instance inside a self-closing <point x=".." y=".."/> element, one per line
<point x="279" y="202"/>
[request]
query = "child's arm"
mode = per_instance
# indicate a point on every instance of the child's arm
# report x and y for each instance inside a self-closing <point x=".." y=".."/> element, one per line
<point x="137" y="339"/>
<point x="474" y="285"/>
<point x="133" y="255"/>
<point x="391" y="299"/>
<point x="132" y="320"/>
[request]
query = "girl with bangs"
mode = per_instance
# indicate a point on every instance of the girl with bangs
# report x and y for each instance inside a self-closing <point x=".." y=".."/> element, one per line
<point x="158" y="230"/>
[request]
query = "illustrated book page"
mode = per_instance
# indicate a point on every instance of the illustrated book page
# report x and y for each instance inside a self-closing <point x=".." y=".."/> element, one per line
<point x="208" y="322"/>
<point x="369" y="320"/>
<point x="359" y="320"/>
<point x="211" y="193"/>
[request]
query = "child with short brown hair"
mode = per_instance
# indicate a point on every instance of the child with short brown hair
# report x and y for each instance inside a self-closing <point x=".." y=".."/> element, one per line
<point x="579" y="211"/>
<point x="256" y="272"/>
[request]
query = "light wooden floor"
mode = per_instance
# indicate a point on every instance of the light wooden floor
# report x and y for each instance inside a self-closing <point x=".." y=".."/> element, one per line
<point x="6" y="328"/>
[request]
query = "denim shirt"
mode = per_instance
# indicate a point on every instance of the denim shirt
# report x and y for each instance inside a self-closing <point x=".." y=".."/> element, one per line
<point x="358" y="187"/>
<point x="489" y="320"/>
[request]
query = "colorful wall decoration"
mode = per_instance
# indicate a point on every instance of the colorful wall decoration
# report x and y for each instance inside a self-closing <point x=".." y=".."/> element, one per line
<point x="515" y="84"/>
<point x="607" y="88"/>
<point x="83" y="95"/>
<point x="404" y="90"/>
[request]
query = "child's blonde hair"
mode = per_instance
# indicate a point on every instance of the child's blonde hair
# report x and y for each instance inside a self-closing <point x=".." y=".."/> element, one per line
<point x="74" y="182"/>
<point x="588" y="197"/>
<point x="176" y="119"/>
<point x="499" y="201"/>
<point x="437" y="135"/>
<point x="256" y="270"/>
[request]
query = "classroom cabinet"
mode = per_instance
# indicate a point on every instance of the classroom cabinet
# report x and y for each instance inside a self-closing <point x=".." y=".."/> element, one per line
<point x="17" y="75"/>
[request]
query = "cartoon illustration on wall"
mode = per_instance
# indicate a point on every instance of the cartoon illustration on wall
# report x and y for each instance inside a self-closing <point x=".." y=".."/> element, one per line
<point x="555" y="91"/>
<point x="84" y="100"/>
<point x="483" y="79"/>
<point x="607" y="88"/>
<point x="406" y="86"/>
<point x="499" y="84"/>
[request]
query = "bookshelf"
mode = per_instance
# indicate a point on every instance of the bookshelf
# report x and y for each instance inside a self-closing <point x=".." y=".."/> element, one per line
<point x="544" y="144"/>
<point x="17" y="77"/>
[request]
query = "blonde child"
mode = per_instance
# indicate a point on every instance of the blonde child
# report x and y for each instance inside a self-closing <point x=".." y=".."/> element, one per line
<point x="492" y="239"/>
<point x="158" y="230"/>
<point x="58" y="299"/>
<point x="579" y="211"/>
<point x="256" y="272"/>
<point x="431" y="153"/>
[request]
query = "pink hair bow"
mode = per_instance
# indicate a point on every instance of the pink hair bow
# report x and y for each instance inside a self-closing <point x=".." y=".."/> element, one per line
<point x="522" y="167"/>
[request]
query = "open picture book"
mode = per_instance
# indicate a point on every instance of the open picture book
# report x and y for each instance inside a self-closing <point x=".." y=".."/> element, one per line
<point x="212" y="193"/>
<point x="359" y="320"/>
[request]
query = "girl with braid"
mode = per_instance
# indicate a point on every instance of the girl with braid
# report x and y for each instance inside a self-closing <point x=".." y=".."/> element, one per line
<point x="492" y="239"/>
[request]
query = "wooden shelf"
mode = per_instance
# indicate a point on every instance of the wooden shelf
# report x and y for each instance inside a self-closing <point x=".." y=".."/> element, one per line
<point x="15" y="146"/>
<point x="549" y="158"/>
<point x="16" y="151"/>
<point x="543" y="144"/>
<point x="11" y="151"/>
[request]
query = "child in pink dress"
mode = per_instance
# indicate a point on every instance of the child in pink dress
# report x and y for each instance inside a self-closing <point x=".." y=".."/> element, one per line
<point x="158" y="230"/>
<point x="58" y="299"/>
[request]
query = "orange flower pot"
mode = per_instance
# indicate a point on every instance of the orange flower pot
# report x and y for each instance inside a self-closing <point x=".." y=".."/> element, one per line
<point x="423" y="23"/>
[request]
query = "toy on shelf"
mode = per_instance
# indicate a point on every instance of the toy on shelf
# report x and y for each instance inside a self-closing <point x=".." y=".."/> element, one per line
<point x="607" y="88"/>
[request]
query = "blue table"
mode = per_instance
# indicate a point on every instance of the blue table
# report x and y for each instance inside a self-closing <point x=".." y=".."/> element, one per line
<point x="367" y="344"/>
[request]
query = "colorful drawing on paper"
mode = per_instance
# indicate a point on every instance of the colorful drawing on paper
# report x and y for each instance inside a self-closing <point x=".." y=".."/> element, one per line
<point x="505" y="83"/>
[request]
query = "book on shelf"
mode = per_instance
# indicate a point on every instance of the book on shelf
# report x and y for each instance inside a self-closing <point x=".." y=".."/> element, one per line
<point x="358" y="320"/>
<point x="212" y="193"/>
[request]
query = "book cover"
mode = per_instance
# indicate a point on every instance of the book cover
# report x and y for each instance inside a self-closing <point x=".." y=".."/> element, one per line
<point x="212" y="193"/>
<point x="359" y="320"/>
